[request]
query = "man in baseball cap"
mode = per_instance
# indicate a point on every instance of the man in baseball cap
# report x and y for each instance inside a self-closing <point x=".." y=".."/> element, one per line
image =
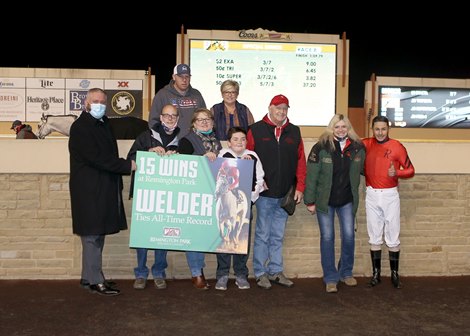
<point x="182" y="69"/>
<point x="23" y="131"/>
<point x="179" y="93"/>
<point x="280" y="149"/>
<point x="279" y="99"/>
<point x="15" y="124"/>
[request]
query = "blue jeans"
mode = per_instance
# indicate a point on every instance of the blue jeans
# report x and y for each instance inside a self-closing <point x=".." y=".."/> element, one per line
<point x="158" y="268"/>
<point x="326" y="222"/>
<point x="239" y="264"/>
<point x="271" y="222"/>
<point x="195" y="262"/>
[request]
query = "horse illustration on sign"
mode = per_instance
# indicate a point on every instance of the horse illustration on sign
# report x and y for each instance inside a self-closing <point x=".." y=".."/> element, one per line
<point x="231" y="203"/>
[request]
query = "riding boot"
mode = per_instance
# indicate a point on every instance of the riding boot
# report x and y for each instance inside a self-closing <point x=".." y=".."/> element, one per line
<point x="238" y="195"/>
<point x="394" y="258"/>
<point x="376" y="257"/>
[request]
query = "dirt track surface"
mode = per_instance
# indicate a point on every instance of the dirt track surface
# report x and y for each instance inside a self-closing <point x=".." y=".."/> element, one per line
<point x="424" y="306"/>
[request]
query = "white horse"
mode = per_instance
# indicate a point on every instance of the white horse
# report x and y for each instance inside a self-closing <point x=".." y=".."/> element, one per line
<point x="55" y="123"/>
<point x="230" y="211"/>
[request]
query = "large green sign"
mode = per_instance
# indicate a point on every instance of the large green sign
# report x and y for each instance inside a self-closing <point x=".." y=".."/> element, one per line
<point x="188" y="203"/>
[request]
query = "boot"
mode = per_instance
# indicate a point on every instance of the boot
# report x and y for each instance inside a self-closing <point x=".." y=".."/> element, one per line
<point x="238" y="195"/>
<point x="376" y="257"/>
<point x="394" y="258"/>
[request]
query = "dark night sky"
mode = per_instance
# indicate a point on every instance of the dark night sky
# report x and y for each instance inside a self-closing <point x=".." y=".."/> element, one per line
<point x="392" y="43"/>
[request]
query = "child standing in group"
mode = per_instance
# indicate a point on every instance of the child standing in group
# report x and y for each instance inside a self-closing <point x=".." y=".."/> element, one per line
<point x="236" y="141"/>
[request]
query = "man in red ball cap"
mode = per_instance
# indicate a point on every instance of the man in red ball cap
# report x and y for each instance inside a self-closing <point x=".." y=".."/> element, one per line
<point x="280" y="148"/>
<point x="23" y="131"/>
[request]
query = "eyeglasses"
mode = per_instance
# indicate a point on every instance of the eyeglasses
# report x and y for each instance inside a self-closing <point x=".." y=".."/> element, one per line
<point x="203" y="120"/>
<point x="169" y="116"/>
<point x="230" y="92"/>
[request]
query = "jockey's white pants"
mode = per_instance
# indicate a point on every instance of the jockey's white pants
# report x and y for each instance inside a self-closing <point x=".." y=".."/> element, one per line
<point x="383" y="217"/>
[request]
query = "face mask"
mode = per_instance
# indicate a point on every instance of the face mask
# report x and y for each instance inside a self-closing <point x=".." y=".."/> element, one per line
<point x="167" y="129"/>
<point x="206" y="132"/>
<point x="97" y="110"/>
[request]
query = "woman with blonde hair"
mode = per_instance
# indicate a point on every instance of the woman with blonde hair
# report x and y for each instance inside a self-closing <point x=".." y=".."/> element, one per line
<point x="334" y="168"/>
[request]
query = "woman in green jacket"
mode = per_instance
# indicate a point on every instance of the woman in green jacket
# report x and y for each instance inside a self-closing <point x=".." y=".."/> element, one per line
<point x="334" y="168"/>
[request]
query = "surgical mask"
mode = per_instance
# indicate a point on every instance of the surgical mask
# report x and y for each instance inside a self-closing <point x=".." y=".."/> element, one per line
<point x="97" y="110"/>
<point x="168" y="129"/>
<point x="206" y="132"/>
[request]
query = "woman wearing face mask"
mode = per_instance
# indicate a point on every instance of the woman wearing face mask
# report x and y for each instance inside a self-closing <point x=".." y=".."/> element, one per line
<point x="334" y="168"/>
<point x="201" y="140"/>
<point x="96" y="188"/>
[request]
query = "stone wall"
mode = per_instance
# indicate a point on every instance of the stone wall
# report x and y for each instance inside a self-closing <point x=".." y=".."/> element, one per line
<point x="36" y="240"/>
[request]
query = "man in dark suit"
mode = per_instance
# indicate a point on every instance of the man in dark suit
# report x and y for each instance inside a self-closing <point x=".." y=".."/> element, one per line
<point x="96" y="188"/>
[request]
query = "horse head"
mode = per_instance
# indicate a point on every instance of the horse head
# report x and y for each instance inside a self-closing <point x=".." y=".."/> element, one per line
<point x="55" y="123"/>
<point x="43" y="129"/>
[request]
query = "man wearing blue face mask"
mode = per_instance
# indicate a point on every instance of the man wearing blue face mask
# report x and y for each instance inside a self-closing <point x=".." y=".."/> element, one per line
<point x="96" y="188"/>
<point x="97" y="110"/>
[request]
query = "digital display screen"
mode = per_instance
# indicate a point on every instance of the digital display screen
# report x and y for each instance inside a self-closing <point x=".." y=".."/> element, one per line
<point x="425" y="107"/>
<point x="304" y="72"/>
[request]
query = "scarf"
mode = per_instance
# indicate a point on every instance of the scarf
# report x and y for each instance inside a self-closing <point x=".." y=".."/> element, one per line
<point x="209" y="142"/>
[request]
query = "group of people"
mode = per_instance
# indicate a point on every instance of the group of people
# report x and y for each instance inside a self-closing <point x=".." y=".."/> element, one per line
<point x="327" y="182"/>
<point x="200" y="133"/>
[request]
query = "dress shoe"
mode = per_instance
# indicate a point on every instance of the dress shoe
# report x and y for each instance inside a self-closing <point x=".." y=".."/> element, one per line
<point x="102" y="289"/>
<point x="85" y="284"/>
<point x="200" y="282"/>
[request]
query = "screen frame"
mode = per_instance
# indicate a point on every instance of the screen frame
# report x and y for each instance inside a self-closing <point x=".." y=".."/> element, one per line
<point x="371" y="98"/>
<point x="342" y="59"/>
<point x="425" y="107"/>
